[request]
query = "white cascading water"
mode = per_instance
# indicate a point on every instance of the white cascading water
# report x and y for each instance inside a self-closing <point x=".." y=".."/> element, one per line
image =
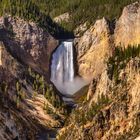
<point x="62" y="69"/>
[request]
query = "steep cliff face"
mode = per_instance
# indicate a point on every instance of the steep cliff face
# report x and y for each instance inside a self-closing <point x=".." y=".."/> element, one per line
<point x="26" y="41"/>
<point x="92" y="49"/>
<point x="110" y="111"/>
<point x="26" y="109"/>
<point x="127" y="31"/>
<point x="13" y="122"/>
<point x="98" y="87"/>
<point x="98" y="42"/>
<point x="111" y="108"/>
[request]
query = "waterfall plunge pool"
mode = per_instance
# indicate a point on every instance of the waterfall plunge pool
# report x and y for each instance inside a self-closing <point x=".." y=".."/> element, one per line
<point x="63" y="71"/>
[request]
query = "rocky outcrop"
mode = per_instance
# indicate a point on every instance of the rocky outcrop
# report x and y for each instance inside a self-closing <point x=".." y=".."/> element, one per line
<point x="99" y="87"/>
<point x="62" y="18"/>
<point x="22" y="107"/>
<point x="111" y="109"/>
<point x="9" y="64"/>
<point x="81" y="29"/>
<point x="127" y="31"/>
<point x="27" y="42"/>
<point x="115" y="115"/>
<point x="93" y="48"/>
<point x="98" y="42"/>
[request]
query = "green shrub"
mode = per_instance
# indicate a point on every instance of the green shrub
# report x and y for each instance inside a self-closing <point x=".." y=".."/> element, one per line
<point x="80" y="11"/>
<point x="119" y="60"/>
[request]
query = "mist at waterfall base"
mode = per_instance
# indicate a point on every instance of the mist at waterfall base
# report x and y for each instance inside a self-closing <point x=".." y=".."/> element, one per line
<point x="69" y="88"/>
<point x="62" y="70"/>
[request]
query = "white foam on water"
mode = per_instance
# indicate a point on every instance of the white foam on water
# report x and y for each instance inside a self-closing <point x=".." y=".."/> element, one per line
<point x="62" y="70"/>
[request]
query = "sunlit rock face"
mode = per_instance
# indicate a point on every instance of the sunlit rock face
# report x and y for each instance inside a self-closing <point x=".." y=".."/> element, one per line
<point x="127" y="31"/>
<point x="93" y="49"/>
<point x="62" y="69"/>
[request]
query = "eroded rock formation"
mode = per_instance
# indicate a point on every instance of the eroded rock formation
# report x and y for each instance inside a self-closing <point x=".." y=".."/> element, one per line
<point x="22" y="108"/>
<point x="28" y="42"/>
<point x="97" y="43"/>
<point x="92" y="49"/>
<point x="127" y="31"/>
<point x="110" y="110"/>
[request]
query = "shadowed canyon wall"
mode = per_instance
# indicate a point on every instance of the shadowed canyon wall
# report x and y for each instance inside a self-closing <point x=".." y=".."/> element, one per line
<point x="29" y="43"/>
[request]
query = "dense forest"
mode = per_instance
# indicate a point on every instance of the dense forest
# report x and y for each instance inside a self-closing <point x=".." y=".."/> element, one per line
<point x="42" y="11"/>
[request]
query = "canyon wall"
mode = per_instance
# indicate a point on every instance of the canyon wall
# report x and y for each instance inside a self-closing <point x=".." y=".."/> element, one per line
<point x="115" y="116"/>
<point x="34" y="46"/>
<point x="127" y="31"/>
<point x="28" y="42"/>
<point x="22" y="107"/>
<point x="97" y="43"/>
<point x="93" y="48"/>
<point x="110" y="109"/>
<point x="25" y="51"/>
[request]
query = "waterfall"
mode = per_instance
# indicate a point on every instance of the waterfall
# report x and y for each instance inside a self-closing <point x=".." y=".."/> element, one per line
<point x="62" y="69"/>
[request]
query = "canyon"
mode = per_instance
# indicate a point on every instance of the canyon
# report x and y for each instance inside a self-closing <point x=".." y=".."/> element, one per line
<point x="99" y="70"/>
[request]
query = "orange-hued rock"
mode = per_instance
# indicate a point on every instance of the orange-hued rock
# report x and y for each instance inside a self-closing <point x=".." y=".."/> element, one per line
<point x="92" y="49"/>
<point x="97" y="43"/>
<point x="127" y="31"/>
<point x="112" y="112"/>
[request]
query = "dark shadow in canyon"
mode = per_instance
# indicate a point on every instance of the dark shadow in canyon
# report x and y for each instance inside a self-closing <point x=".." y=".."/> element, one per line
<point x="56" y="30"/>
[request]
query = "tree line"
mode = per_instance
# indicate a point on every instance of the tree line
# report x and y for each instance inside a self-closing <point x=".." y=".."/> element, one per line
<point x="80" y="10"/>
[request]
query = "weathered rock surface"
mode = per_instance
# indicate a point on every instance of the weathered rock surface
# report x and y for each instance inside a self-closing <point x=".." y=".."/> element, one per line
<point x="115" y="115"/>
<point x="81" y="29"/>
<point x="127" y="31"/>
<point x="22" y="108"/>
<point x="97" y="43"/>
<point x="99" y="87"/>
<point x="92" y="49"/>
<point x="111" y="109"/>
<point x="62" y="18"/>
<point x="29" y="43"/>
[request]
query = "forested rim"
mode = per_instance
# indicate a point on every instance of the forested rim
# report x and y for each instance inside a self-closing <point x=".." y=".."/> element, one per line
<point x="81" y="11"/>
